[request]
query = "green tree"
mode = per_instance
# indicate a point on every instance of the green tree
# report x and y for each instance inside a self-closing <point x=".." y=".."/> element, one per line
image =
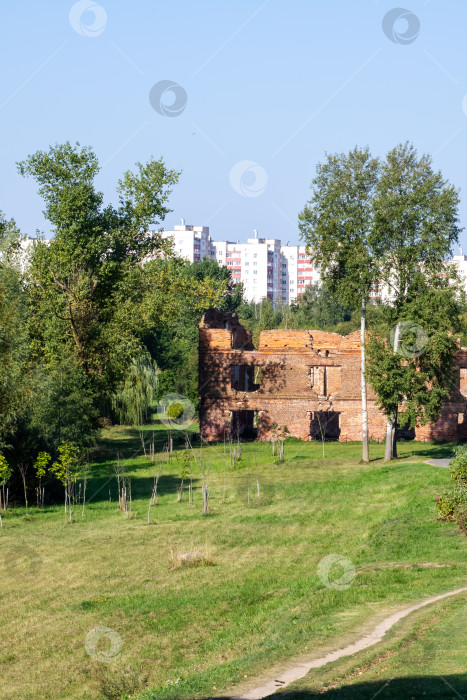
<point x="85" y="284"/>
<point x="5" y="476"/>
<point x="410" y="359"/>
<point x="177" y="294"/>
<point x="336" y="225"/>
<point x="136" y="396"/>
<point x="65" y="406"/>
<point x="67" y="470"/>
<point x="415" y="226"/>
<point x="43" y="460"/>
<point x="318" y="308"/>
<point x="261" y="316"/>
<point x="14" y="347"/>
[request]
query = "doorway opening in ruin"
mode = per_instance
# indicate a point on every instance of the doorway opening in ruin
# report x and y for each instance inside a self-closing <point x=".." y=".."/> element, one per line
<point x="405" y="433"/>
<point x="244" y="424"/>
<point x="324" y="425"/>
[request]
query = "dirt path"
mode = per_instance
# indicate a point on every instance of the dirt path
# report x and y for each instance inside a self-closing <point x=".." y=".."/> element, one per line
<point x="443" y="462"/>
<point x="294" y="673"/>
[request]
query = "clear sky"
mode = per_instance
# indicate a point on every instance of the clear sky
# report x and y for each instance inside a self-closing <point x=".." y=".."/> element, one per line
<point x="266" y="88"/>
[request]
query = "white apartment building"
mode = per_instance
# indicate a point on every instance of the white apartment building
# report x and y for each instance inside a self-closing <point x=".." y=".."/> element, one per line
<point x="190" y="242"/>
<point x="266" y="268"/>
<point x="297" y="272"/>
<point x="460" y="261"/>
<point x="255" y="263"/>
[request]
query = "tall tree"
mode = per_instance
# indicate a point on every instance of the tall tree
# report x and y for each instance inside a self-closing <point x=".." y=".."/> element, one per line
<point x="410" y="360"/>
<point x="336" y="225"/>
<point x="415" y="225"/>
<point x="85" y="279"/>
<point x="176" y="295"/>
<point x="14" y="385"/>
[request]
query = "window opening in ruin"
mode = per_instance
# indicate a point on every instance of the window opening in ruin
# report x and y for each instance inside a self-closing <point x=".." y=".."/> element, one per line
<point x="318" y="380"/>
<point x="463" y="381"/>
<point x="246" y="377"/>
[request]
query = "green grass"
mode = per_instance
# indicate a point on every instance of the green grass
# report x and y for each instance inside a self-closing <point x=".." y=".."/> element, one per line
<point x="185" y="631"/>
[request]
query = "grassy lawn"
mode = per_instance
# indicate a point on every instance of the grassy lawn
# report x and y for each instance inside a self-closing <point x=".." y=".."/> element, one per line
<point x="199" y="631"/>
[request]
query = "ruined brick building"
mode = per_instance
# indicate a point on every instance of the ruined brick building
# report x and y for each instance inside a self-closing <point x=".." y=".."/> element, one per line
<point x="308" y="381"/>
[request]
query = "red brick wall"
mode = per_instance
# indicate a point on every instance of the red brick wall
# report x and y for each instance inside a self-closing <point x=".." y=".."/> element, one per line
<point x="303" y="372"/>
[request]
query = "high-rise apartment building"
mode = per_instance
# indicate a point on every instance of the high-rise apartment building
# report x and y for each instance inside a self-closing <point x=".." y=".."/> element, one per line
<point x="266" y="268"/>
<point x="460" y="261"/>
<point x="297" y="271"/>
<point x="255" y="263"/>
<point x="190" y="242"/>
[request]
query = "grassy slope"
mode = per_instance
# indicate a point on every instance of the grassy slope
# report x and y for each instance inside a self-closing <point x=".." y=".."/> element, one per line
<point x="262" y="601"/>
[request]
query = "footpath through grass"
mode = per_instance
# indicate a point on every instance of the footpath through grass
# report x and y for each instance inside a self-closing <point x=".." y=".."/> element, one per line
<point x="199" y="631"/>
<point x="425" y="656"/>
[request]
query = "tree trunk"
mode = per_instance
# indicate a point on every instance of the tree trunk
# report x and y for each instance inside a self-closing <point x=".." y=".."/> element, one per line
<point x="394" y="442"/>
<point x="25" y="494"/>
<point x="365" y="455"/>
<point x="390" y="438"/>
<point x="390" y="451"/>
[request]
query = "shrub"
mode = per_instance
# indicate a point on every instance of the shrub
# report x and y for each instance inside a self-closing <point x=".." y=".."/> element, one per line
<point x="459" y="465"/>
<point x="446" y="505"/>
<point x="452" y="506"/>
<point x="175" y="410"/>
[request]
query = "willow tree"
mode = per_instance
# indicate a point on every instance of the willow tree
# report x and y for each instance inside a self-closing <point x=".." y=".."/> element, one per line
<point x="135" y="396"/>
<point x="336" y="225"/>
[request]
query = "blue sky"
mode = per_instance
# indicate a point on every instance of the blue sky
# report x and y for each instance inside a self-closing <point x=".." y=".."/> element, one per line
<point x="270" y="87"/>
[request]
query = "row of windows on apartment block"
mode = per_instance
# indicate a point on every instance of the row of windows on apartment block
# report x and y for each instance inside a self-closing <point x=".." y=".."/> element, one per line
<point x="236" y="256"/>
<point x="237" y="263"/>
<point x="255" y="255"/>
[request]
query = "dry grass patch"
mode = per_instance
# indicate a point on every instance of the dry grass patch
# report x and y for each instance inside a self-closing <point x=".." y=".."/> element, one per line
<point x="179" y="558"/>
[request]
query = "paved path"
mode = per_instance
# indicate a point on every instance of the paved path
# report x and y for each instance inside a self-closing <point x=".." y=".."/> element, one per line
<point x="444" y="462"/>
<point x="294" y="673"/>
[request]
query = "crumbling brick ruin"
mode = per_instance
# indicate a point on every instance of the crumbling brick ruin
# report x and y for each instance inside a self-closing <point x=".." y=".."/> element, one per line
<point x="308" y="381"/>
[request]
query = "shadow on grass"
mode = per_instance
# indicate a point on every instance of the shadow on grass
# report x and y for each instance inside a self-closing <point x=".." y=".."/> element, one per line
<point x="104" y="489"/>
<point x="396" y="689"/>
<point x="126" y="440"/>
<point x="436" y="451"/>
